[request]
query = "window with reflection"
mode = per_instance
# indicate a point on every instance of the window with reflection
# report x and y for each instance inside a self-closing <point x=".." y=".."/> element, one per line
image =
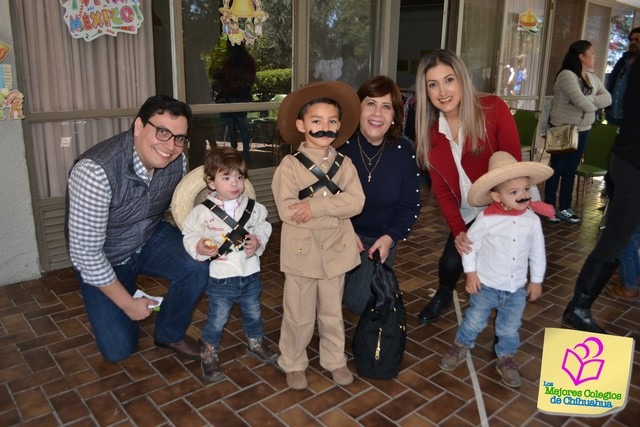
<point x="211" y="36"/>
<point x="342" y="36"/>
<point x="520" y="70"/>
<point x="480" y="42"/>
<point x="235" y="54"/>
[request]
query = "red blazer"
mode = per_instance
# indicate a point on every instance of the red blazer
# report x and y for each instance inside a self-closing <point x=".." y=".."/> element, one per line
<point x="502" y="135"/>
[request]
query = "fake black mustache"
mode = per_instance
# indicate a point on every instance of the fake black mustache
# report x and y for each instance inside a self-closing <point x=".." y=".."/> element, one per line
<point x="323" y="133"/>
<point x="528" y="199"/>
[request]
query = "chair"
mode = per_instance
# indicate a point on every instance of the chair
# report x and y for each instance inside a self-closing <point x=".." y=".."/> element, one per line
<point x="597" y="154"/>
<point x="527" y="124"/>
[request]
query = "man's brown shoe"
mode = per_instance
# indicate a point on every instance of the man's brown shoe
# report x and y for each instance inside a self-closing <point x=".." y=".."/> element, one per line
<point x="187" y="347"/>
<point x="622" y="292"/>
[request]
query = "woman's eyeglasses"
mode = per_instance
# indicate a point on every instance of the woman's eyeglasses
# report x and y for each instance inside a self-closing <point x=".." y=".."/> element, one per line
<point x="165" y="135"/>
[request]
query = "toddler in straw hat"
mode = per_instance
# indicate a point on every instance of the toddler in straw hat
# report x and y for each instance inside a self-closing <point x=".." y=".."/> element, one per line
<point x="316" y="191"/>
<point x="234" y="267"/>
<point x="507" y="241"/>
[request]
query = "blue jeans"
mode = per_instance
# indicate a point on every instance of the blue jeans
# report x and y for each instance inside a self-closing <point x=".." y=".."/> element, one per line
<point x="509" y="306"/>
<point x="162" y="256"/>
<point x="564" y="169"/>
<point x="237" y="121"/>
<point x="222" y="294"/>
<point x="630" y="262"/>
<point x="622" y="215"/>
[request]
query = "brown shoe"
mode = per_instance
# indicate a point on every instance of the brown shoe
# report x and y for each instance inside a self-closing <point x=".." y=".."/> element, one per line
<point x="342" y="376"/>
<point x="210" y="363"/>
<point x="622" y="292"/>
<point x="297" y="380"/>
<point x="508" y="370"/>
<point x="187" y="347"/>
<point x="456" y="355"/>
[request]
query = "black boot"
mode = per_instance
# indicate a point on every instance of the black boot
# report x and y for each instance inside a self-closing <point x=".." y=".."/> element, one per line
<point x="441" y="301"/>
<point x="591" y="281"/>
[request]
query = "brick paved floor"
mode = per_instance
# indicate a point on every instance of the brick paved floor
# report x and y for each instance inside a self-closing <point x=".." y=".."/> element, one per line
<point x="52" y="374"/>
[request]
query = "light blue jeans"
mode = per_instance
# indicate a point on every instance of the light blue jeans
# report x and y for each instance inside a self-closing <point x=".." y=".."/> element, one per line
<point x="509" y="306"/>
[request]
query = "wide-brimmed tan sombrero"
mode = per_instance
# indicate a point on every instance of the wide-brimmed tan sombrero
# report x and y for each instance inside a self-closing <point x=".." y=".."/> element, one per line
<point x="191" y="191"/>
<point x="340" y="92"/>
<point x="503" y="167"/>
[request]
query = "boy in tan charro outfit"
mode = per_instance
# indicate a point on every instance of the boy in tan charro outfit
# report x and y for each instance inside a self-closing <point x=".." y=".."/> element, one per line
<point x="316" y="191"/>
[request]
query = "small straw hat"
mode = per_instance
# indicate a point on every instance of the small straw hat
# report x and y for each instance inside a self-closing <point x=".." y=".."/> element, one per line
<point x="503" y="167"/>
<point x="192" y="190"/>
<point x="340" y="92"/>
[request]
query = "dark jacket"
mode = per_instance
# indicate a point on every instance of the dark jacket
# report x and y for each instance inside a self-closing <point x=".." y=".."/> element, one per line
<point x="236" y="77"/>
<point x="136" y="209"/>
<point x="627" y="144"/>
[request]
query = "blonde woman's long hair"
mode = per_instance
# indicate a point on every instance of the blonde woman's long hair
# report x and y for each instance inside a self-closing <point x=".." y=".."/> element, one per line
<point x="470" y="110"/>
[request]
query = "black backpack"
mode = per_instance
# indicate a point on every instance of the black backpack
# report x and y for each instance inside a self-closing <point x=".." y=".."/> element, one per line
<point x="380" y="337"/>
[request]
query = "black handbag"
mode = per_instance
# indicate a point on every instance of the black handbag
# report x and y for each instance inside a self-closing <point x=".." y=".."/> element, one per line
<point x="381" y="335"/>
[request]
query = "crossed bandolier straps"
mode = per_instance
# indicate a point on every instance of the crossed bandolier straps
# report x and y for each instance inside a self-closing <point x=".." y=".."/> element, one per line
<point x="324" y="180"/>
<point x="238" y="232"/>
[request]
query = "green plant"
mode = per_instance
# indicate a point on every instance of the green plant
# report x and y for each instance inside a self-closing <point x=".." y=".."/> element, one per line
<point x="272" y="82"/>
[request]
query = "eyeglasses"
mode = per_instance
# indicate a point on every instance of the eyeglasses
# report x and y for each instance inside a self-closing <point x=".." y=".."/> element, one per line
<point x="165" y="135"/>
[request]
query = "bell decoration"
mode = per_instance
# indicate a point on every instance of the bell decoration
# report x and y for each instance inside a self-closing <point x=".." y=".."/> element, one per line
<point x="242" y="9"/>
<point x="242" y="20"/>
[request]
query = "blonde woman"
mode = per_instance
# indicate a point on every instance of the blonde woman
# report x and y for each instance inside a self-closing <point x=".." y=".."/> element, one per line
<point x="457" y="131"/>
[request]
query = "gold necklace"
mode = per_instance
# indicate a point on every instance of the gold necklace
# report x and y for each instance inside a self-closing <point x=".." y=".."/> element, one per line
<point x="363" y="155"/>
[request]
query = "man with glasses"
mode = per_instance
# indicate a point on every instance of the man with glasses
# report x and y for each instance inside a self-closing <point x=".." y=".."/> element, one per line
<point x="117" y="194"/>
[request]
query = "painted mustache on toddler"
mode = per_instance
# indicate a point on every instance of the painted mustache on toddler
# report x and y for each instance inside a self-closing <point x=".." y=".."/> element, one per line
<point x="523" y="200"/>
<point x="323" y="133"/>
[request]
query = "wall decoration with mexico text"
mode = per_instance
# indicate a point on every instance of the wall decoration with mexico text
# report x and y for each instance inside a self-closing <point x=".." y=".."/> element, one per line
<point x="90" y="19"/>
<point x="583" y="373"/>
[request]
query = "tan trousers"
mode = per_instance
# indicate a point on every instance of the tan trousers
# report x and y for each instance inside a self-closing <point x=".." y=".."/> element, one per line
<point x="303" y="298"/>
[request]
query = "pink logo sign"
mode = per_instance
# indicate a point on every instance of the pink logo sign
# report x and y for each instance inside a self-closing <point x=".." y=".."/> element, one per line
<point x="581" y="363"/>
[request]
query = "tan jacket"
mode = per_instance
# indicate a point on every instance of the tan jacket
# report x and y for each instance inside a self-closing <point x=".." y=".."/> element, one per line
<point x="325" y="246"/>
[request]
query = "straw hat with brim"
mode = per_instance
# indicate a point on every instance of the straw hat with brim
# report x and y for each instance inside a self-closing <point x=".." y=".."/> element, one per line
<point x="191" y="191"/>
<point x="503" y="167"/>
<point x="340" y="92"/>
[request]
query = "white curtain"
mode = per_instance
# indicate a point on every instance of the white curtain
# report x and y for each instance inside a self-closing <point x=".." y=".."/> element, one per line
<point x="67" y="74"/>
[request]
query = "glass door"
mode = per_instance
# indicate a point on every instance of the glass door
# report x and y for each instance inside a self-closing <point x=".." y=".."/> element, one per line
<point x="521" y="62"/>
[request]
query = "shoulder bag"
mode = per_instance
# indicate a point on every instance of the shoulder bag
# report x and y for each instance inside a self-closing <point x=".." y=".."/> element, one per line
<point x="380" y="338"/>
<point x="561" y="139"/>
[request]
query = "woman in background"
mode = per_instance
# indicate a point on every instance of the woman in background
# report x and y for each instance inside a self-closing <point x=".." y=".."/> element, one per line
<point x="577" y="95"/>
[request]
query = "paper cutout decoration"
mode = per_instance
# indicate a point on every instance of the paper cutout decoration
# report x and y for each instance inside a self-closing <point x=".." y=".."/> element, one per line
<point x="90" y="19"/>
<point x="242" y="20"/>
<point x="584" y="374"/>
<point x="4" y="51"/>
<point x="9" y="97"/>
<point x="529" y="22"/>
<point x="14" y="101"/>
